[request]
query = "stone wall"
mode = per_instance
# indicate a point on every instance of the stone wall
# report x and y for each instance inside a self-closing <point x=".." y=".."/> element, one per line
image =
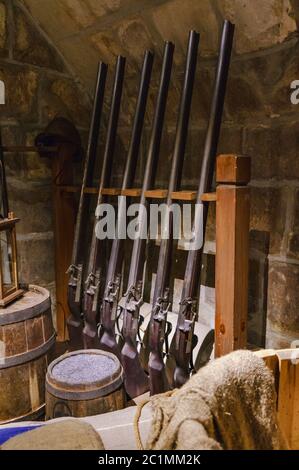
<point x="39" y="86"/>
<point x="259" y="118"/>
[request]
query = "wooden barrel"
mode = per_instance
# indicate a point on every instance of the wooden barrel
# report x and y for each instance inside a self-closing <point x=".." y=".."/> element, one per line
<point x="27" y="338"/>
<point x="84" y="383"/>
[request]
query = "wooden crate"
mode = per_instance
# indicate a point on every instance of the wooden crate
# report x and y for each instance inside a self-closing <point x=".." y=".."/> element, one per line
<point x="284" y="364"/>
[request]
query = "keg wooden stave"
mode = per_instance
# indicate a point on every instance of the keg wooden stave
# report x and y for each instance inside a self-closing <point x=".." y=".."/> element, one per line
<point x="82" y="396"/>
<point x="27" y="338"/>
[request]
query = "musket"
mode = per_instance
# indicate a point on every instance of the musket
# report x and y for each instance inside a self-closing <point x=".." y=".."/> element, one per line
<point x="4" y="208"/>
<point x="154" y="338"/>
<point x="96" y="255"/>
<point x="108" y="309"/>
<point x="183" y="342"/>
<point x="135" y="379"/>
<point x="75" y="271"/>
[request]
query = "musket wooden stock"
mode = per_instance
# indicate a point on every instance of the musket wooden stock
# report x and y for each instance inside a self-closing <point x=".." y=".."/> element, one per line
<point x="108" y="340"/>
<point x="136" y="380"/>
<point x="96" y="254"/>
<point x="180" y="360"/>
<point x="155" y="335"/>
<point x="75" y="290"/>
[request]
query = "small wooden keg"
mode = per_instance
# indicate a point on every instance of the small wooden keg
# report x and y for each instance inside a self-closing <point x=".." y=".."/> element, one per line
<point x="84" y="383"/>
<point x="27" y="338"/>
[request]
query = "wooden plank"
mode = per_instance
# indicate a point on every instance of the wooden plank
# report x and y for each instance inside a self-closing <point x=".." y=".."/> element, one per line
<point x="152" y="193"/>
<point x="77" y="189"/>
<point x="184" y="195"/>
<point x="91" y="191"/>
<point x="208" y="197"/>
<point x="132" y="192"/>
<point x="232" y="239"/>
<point x="288" y="396"/>
<point x="271" y="360"/>
<point x="233" y="169"/>
<point x="111" y="191"/>
<point x="156" y="193"/>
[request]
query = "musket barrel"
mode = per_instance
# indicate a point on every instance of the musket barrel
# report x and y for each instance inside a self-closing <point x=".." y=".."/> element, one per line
<point x="109" y="149"/>
<point x="138" y="120"/>
<point x="96" y="254"/>
<point x="92" y="144"/>
<point x="136" y="381"/>
<point x="107" y="338"/>
<point x="137" y="259"/>
<point x="216" y="111"/>
<point x="75" y="290"/>
<point x="152" y="350"/>
<point x="182" y="345"/>
<point x="113" y="122"/>
<point x="193" y="267"/>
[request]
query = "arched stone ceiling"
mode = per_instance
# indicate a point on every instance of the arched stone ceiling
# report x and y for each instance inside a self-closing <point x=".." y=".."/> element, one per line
<point x="85" y="31"/>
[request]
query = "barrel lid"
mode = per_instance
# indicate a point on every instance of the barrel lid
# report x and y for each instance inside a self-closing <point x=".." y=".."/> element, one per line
<point x="84" y="374"/>
<point x="35" y="301"/>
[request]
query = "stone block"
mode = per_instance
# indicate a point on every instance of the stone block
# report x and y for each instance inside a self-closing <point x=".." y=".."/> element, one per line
<point x="268" y="214"/>
<point x="231" y="141"/>
<point x="174" y="19"/>
<point x="274" y="73"/>
<point x="243" y="101"/>
<point x="33" y="205"/>
<point x="14" y="162"/>
<point x="21" y="93"/>
<point x="54" y="16"/>
<point x="274" y="151"/>
<point x="283" y="295"/>
<point x="62" y="97"/>
<point x="37" y="269"/>
<point x="259" y="24"/>
<point x="31" y="47"/>
<point x="293" y="235"/>
<point x="105" y="6"/>
<point x="3" y="30"/>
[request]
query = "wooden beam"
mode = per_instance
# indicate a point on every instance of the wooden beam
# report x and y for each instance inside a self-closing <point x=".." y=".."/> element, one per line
<point x="111" y="191"/>
<point x="209" y="197"/>
<point x="288" y="396"/>
<point x="232" y="247"/>
<point x="136" y="192"/>
<point x="132" y="192"/>
<point x="156" y="193"/>
<point x="233" y="169"/>
<point x="184" y="195"/>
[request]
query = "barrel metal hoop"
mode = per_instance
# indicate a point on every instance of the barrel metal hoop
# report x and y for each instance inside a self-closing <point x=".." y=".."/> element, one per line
<point x="85" y="394"/>
<point x="28" y="356"/>
<point x="30" y="312"/>
<point x="31" y="416"/>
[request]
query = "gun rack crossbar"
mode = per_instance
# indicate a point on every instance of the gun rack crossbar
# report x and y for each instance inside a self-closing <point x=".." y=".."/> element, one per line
<point x="136" y="192"/>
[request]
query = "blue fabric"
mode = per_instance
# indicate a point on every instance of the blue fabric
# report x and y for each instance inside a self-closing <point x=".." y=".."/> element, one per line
<point x="7" y="433"/>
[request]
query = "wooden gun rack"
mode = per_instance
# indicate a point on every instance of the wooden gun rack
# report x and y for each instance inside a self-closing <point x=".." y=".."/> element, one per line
<point x="232" y="237"/>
